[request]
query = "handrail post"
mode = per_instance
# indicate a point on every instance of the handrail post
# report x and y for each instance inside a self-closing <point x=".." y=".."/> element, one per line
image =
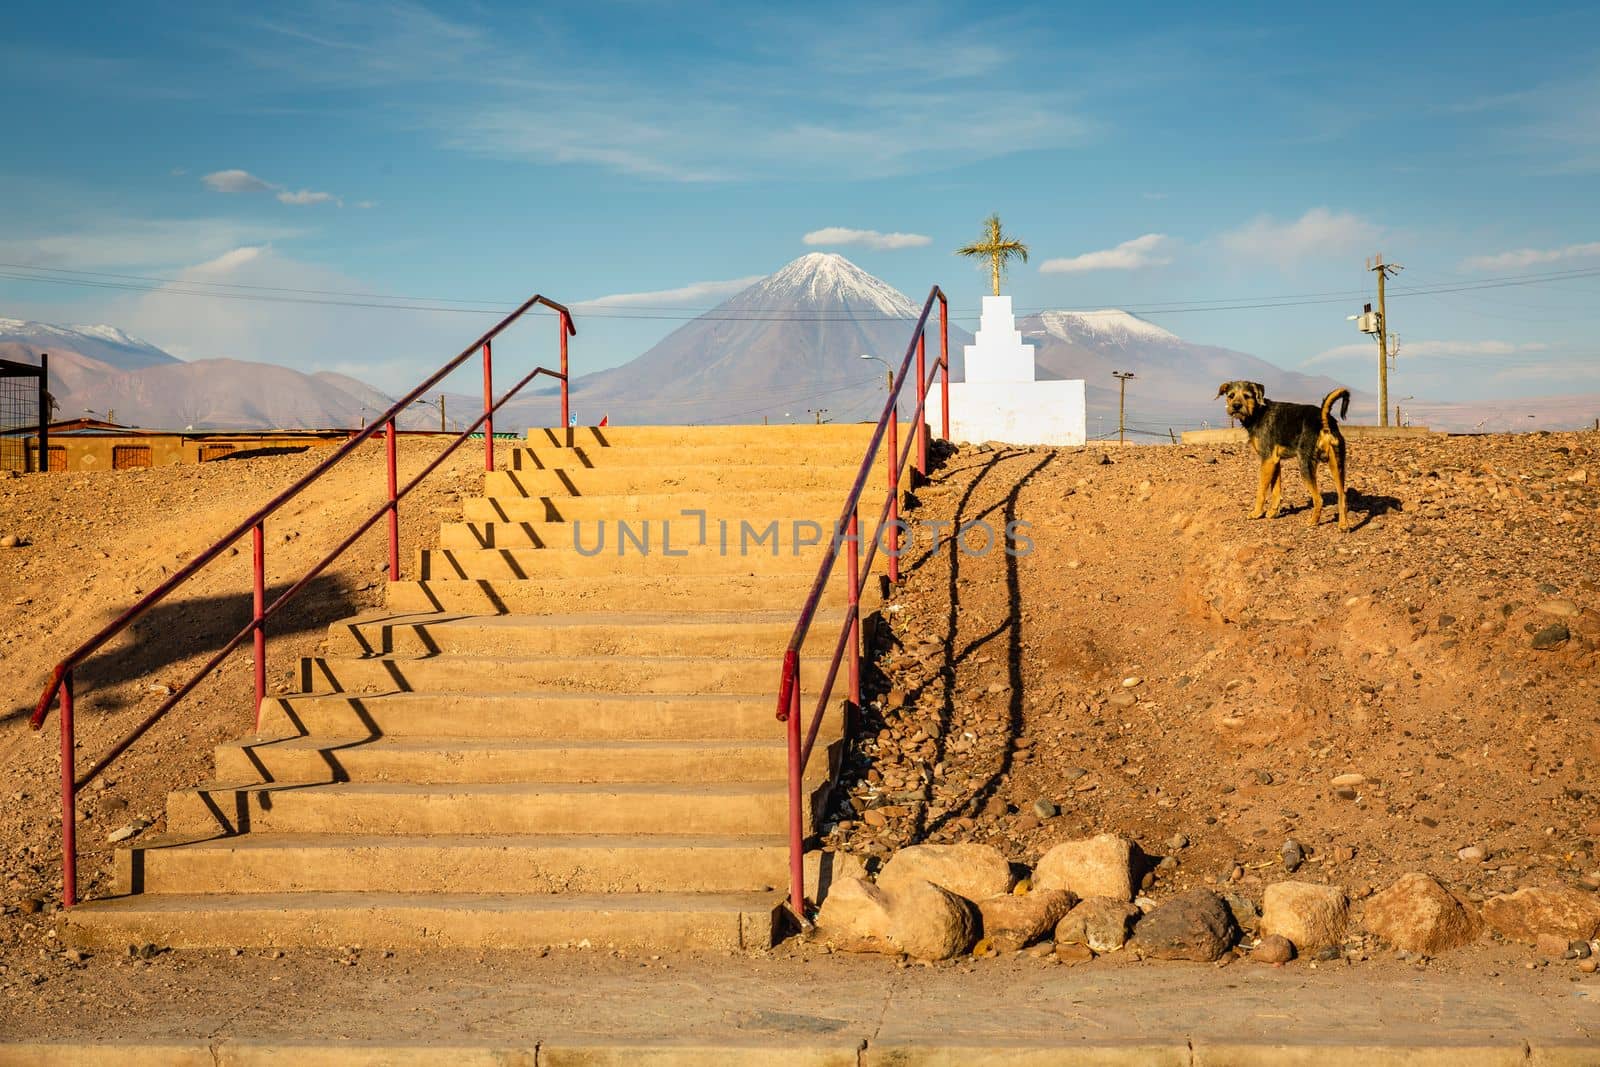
<point x="921" y="429"/>
<point x="893" y="525"/>
<point x="853" y="572"/>
<point x="258" y="567"/>
<point x="488" y="406"/>
<point x="561" y="327"/>
<point x="394" y="509"/>
<point x="69" y="800"/>
<point x="797" y="872"/>
<point x="944" y="368"/>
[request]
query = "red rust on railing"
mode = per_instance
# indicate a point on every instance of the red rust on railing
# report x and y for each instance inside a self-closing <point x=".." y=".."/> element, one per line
<point x="61" y="677"/>
<point x="846" y="532"/>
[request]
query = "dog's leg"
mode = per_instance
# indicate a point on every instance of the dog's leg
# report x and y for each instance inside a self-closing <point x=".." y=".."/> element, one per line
<point x="1336" y="465"/>
<point x="1269" y="473"/>
<point x="1308" y="473"/>
<point x="1277" y="486"/>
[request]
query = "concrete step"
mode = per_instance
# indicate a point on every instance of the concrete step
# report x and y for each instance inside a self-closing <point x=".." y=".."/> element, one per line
<point x="633" y="921"/>
<point x="749" y="551"/>
<point x="637" y="534"/>
<point x="630" y="633"/>
<point x="757" y="506"/>
<point x="754" y="675"/>
<point x="712" y="808"/>
<point x="454" y="863"/>
<point x="843" y="453"/>
<point x="690" y="482"/>
<point x="613" y="593"/>
<point x="549" y="716"/>
<point x="451" y="760"/>
<point x="799" y="435"/>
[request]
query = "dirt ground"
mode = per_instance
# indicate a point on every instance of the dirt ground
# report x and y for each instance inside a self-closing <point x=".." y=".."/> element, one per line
<point x="1163" y="667"/>
<point x="1269" y="658"/>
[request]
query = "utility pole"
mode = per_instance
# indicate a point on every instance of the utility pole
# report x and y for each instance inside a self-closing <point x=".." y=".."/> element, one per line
<point x="1384" y="271"/>
<point x="442" y="426"/>
<point x="1122" y="404"/>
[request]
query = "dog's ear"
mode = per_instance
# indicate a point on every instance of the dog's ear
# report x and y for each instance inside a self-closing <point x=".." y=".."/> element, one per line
<point x="1222" y="390"/>
<point x="1257" y="390"/>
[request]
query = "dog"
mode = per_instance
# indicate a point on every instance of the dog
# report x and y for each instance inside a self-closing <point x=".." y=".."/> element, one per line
<point x="1280" y="430"/>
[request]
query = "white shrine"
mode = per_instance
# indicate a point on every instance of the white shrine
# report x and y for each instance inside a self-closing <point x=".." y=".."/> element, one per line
<point x="1001" y="400"/>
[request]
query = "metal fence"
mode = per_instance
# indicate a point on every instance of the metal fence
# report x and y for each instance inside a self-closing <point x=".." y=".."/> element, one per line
<point x="24" y="413"/>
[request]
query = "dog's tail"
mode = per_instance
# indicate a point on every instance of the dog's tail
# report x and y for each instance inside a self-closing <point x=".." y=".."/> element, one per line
<point x="1327" y="402"/>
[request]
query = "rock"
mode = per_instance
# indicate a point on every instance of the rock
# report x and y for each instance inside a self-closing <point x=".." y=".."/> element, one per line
<point x="10" y="541"/>
<point x="1045" y="808"/>
<point x="1527" y="913"/>
<point x="1191" y="926"/>
<point x="1123" y="699"/>
<point x="1348" y="780"/>
<point x="1094" y="867"/>
<point x="1562" y="608"/>
<point x="974" y="872"/>
<point x="1308" y="914"/>
<point x="1177" y="843"/>
<point x="127" y="831"/>
<point x="1471" y="854"/>
<point x="1552" y="636"/>
<point x="916" y="918"/>
<point x="823" y="869"/>
<point x="1589" y="964"/>
<point x="1017" y="920"/>
<point x="1132" y="682"/>
<point x="1293" y="855"/>
<point x="1552" y="945"/>
<point x="1073" y="954"/>
<point x="1418" y="914"/>
<point x="30" y="905"/>
<point x="1244" y="912"/>
<point x="1102" y="923"/>
<point x="1274" y="948"/>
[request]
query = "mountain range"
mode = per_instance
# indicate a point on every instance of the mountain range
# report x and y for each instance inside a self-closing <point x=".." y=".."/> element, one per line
<point x="786" y="349"/>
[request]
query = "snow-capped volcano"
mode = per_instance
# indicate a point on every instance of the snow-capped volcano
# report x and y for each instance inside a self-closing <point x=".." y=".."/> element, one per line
<point x="1107" y="326"/>
<point x="104" y="343"/>
<point x="826" y="280"/>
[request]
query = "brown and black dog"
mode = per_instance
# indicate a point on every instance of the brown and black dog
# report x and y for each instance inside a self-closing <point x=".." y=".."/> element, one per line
<point x="1279" y="430"/>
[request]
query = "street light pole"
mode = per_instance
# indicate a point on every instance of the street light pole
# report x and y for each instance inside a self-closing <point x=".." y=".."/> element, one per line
<point x="1122" y="404"/>
<point x="888" y="369"/>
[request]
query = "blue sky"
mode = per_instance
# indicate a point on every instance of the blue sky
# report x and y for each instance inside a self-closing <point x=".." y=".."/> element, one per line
<point x="1150" y="155"/>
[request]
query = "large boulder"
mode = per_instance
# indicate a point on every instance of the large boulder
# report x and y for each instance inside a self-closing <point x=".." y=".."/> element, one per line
<point x="1102" y="923"/>
<point x="1094" y="867"/>
<point x="1310" y="915"/>
<point x="1191" y="926"/>
<point x="823" y="869"/>
<point x="974" y="872"/>
<point x="1524" y="915"/>
<point x="1419" y="915"/>
<point x="1017" y="920"/>
<point x="917" y="918"/>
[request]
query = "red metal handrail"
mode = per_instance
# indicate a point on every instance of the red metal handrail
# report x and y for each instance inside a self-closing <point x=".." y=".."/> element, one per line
<point x="61" y="678"/>
<point x="846" y="532"/>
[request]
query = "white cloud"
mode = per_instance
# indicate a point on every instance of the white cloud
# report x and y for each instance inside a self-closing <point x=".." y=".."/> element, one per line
<point x="1523" y="258"/>
<point x="842" y="235"/>
<point x="1442" y="350"/>
<point x="688" y="295"/>
<point x="236" y="181"/>
<point x="306" y="196"/>
<point x="1319" y="233"/>
<point x="242" y="181"/>
<point x="145" y="243"/>
<point x="1145" y="251"/>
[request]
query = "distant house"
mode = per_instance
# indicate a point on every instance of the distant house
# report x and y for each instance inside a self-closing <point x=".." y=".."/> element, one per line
<point x="87" y="444"/>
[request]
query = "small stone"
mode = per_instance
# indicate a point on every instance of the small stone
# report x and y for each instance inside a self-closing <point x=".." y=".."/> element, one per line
<point x="1013" y="922"/>
<point x="1349" y="780"/>
<point x="1551" y="945"/>
<point x="1562" y="608"/>
<point x="30" y="905"/>
<point x="10" y="541"/>
<point x="1470" y="854"/>
<point x="1293" y="855"/>
<point x="1244" y="912"/>
<point x="1073" y="954"/>
<point x="1102" y="923"/>
<point x="1274" y="948"/>
<point x="1045" y="808"/>
<point x="1132" y="682"/>
<point x="1589" y="964"/>
<point x="1177" y="843"/>
<point x="1122" y="700"/>
<point x="74" y="955"/>
<point x="1552" y="636"/>
<point x="125" y="832"/>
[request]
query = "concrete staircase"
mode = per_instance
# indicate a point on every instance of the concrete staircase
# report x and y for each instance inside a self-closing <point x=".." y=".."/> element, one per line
<point x="533" y="745"/>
